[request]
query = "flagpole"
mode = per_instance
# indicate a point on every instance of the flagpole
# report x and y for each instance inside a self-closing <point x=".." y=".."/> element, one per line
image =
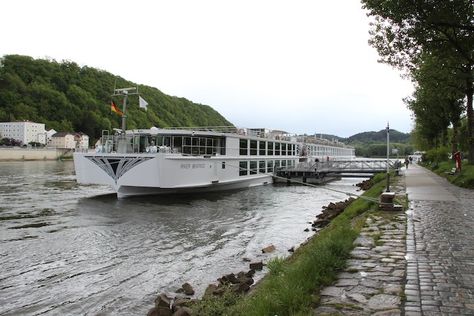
<point x="125" y="92"/>
<point x="124" y="115"/>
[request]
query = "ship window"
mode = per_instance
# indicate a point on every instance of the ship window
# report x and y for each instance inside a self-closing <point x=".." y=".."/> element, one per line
<point x="289" y="163"/>
<point x="277" y="149"/>
<point x="195" y="141"/>
<point x="243" y="145"/>
<point x="187" y="150"/>
<point x="261" y="166"/>
<point x="270" y="166"/>
<point x="167" y="141"/>
<point x="253" y="167"/>
<point x="283" y="163"/>
<point x="209" y="142"/>
<point x="177" y="143"/>
<point x="277" y="163"/>
<point x="159" y="141"/>
<point x="253" y="148"/>
<point x="270" y="149"/>
<point x="187" y="141"/>
<point x="243" y="168"/>
<point x="262" y="150"/>
<point x="222" y="146"/>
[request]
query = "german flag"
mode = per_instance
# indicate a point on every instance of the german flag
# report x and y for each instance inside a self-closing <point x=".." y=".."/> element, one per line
<point x="115" y="108"/>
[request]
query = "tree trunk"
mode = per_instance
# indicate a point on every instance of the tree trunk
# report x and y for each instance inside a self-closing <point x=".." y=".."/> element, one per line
<point x="454" y="140"/>
<point x="470" y="117"/>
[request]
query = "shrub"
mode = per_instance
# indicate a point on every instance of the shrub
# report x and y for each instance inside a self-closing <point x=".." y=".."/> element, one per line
<point x="437" y="155"/>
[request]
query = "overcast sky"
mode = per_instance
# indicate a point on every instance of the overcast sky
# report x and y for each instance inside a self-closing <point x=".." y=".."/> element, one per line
<point x="301" y="66"/>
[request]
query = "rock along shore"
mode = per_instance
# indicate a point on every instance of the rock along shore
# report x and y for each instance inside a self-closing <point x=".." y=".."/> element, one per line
<point x="240" y="283"/>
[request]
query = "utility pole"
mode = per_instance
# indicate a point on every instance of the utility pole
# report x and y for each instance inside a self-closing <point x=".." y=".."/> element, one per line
<point x="388" y="157"/>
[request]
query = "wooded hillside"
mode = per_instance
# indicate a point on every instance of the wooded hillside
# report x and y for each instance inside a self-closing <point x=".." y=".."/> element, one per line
<point x="374" y="144"/>
<point x="68" y="97"/>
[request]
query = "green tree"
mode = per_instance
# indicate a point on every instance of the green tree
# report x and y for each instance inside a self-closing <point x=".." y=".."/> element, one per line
<point x="437" y="101"/>
<point x="402" y="31"/>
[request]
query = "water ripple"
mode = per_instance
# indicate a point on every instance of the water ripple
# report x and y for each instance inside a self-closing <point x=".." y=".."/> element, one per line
<point x="69" y="249"/>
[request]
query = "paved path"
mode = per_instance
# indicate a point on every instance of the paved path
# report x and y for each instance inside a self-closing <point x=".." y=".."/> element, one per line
<point x="372" y="283"/>
<point x="440" y="246"/>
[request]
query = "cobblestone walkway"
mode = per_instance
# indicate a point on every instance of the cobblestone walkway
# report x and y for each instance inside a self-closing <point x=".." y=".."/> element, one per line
<point x="372" y="283"/>
<point x="440" y="246"/>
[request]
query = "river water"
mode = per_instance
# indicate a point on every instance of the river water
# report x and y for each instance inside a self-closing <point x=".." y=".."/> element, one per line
<point x="77" y="250"/>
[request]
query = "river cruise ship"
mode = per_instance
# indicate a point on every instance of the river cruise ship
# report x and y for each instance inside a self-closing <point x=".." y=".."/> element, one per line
<point x="180" y="160"/>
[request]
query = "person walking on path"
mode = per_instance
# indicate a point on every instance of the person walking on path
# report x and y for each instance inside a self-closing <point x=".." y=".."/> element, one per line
<point x="440" y="246"/>
<point x="406" y="163"/>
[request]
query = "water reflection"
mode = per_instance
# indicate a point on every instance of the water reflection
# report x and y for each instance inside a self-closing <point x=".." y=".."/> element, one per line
<point x="69" y="249"/>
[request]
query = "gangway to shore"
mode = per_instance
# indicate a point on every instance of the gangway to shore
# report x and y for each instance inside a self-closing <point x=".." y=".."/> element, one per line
<point x="325" y="171"/>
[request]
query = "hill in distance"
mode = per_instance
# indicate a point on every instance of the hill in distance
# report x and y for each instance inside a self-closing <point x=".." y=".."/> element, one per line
<point x="370" y="137"/>
<point x="377" y="137"/>
<point x="374" y="144"/>
<point x="67" y="97"/>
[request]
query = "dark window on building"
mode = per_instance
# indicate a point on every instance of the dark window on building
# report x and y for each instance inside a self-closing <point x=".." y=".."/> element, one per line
<point x="270" y="149"/>
<point x="269" y="166"/>
<point x="253" y="167"/>
<point x="223" y="165"/>
<point x="277" y="149"/>
<point x="243" y="168"/>
<point x="261" y="166"/>
<point x="253" y="147"/>
<point x="243" y="145"/>
<point x="177" y="143"/>
<point x="262" y="150"/>
<point x="187" y="141"/>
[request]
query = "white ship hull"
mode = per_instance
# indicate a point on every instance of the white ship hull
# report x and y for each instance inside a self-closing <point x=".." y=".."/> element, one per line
<point x="149" y="174"/>
<point x="180" y="161"/>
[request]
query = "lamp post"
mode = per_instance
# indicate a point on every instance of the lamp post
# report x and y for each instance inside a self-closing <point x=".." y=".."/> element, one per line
<point x="388" y="156"/>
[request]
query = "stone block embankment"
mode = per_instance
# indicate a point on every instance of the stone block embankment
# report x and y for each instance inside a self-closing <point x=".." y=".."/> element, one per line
<point x="21" y="154"/>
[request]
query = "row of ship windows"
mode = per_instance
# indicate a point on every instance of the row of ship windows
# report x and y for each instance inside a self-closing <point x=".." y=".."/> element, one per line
<point x="323" y="151"/>
<point x="262" y="148"/>
<point x="187" y="145"/>
<point x="256" y="167"/>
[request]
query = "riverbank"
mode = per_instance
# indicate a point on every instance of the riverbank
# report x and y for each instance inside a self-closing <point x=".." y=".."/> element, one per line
<point x="292" y="285"/>
<point x="27" y="154"/>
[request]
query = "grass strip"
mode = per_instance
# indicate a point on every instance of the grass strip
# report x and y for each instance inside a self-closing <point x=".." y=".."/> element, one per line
<point x="464" y="179"/>
<point x="292" y="285"/>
